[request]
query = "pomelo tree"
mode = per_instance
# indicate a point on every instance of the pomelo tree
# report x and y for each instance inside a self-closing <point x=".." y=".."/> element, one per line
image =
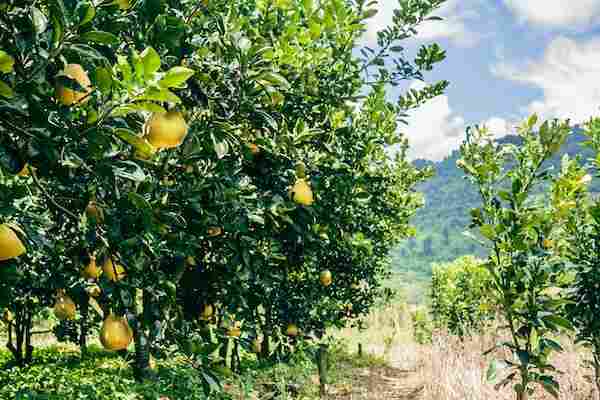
<point x="204" y="163"/>
<point x="516" y="222"/>
<point x="581" y="233"/>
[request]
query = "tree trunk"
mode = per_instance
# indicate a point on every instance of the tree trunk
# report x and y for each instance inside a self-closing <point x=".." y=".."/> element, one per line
<point x="83" y="326"/>
<point x="322" y="365"/>
<point x="28" y="346"/>
<point x="142" y="370"/>
<point x="267" y="332"/>
<point x="597" y="374"/>
<point x="20" y="344"/>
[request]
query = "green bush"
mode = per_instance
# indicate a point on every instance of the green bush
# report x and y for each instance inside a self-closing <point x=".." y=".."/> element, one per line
<point x="460" y="298"/>
<point x="422" y="326"/>
<point x="61" y="374"/>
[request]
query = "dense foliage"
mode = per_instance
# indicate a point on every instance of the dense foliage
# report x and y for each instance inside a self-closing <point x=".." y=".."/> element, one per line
<point x="215" y="173"/>
<point x="582" y="248"/>
<point x="440" y="223"/>
<point x="461" y="297"/>
<point x="517" y="226"/>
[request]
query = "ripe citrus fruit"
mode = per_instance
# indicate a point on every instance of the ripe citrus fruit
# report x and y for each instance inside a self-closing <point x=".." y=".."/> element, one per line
<point x="214" y="231"/>
<point x="65" y="307"/>
<point x="166" y="130"/>
<point x="292" y="330"/>
<point x="91" y="271"/>
<point x="94" y="212"/>
<point x="301" y="193"/>
<point x="69" y="96"/>
<point x="207" y="312"/>
<point x="325" y="278"/>
<point x="114" y="272"/>
<point x="10" y="244"/>
<point x="115" y="333"/>
<point x="7" y="316"/>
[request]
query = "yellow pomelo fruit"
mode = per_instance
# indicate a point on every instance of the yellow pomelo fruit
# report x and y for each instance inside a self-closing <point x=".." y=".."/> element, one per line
<point x="301" y="193"/>
<point x="166" y="130"/>
<point x="123" y="4"/>
<point x="94" y="211"/>
<point x="114" y="272"/>
<point x="152" y="363"/>
<point x="234" y="331"/>
<point x="10" y="244"/>
<point x="190" y="261"/>
<point x="27" y="170"/>
<point x="7" y="316"/>
<point x="115" y="334"/>
<point x="325" y="278"/>
<point x="214" y="231"/>
<point x="91" y="271"/>
<point x="94" y="291"/>
<point x="292" y="330"/>
<point x="64" y="308"/>
<point x="69" y="96"/>
<point x="207" y="312"/>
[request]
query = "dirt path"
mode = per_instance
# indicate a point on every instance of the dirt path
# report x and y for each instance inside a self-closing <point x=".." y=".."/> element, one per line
<point x="381" y="383"/>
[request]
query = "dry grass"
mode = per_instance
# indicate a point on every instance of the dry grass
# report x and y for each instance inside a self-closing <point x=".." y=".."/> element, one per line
<point x="456" y="370"/>
<point x="449" y="369"/>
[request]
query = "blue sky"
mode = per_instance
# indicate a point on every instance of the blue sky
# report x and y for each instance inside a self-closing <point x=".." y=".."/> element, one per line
<point x="505" y="60"/>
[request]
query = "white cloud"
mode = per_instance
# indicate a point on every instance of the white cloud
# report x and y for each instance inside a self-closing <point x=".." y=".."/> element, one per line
<point x="556" y="13"/>
<point x="567" y="74"/>
<point x="457" y="15"/>
<point x="433" y="130"/>
<point x="499" y="127"/>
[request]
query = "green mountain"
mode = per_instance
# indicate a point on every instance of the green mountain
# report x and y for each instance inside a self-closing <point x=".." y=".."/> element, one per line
<point x="441" y="222"/>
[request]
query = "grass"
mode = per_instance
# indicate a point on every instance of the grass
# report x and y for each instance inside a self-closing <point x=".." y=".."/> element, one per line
<point x="451" y="369"/>
<point x="59" y="372"/>
<point x="445" y="369"/>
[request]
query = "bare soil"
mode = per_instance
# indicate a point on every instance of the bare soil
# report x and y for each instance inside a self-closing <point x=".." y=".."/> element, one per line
<point x="379" y="383"/>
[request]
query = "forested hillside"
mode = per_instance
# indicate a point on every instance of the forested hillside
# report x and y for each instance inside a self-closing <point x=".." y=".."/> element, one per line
<point x="441" y="222"/>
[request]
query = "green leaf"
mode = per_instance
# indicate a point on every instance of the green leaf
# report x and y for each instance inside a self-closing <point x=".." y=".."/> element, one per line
<point x="151" y="61"/>
<point x="6" y="91"/>
<point x="86" y="12"/>
<point x="275" y="79"/>
<point x="558" y="321"/>
<point x="221" y="148"/>
<point x="139" y="201"/>
<point x="369" y="13"/>
<point x="137" y="107"/>
<point x="492" y="371"/>
<point x="155" y="94"/>
<point x="104" y="79"/>
<point x="129" y="170"/>
<point x="56" y="10"/>
<point x="138" y="65"/>
<point x="39" y="20"/>
<point x="124" y="67"/>
<point x="99" y="37"/>
<point x="139" y="143"/>
<point x="176" y="77"/>
<point x="488" y="231"/>
<point x="6" y="62"/>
